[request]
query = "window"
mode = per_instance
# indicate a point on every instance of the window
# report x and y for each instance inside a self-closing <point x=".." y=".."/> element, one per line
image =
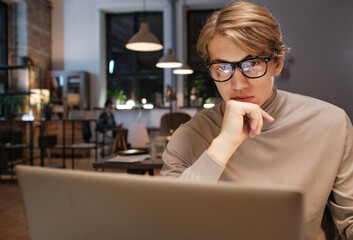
<point x="134" y="72"/>
<point x="198" y="87"/>
<point x="3" y="46"/>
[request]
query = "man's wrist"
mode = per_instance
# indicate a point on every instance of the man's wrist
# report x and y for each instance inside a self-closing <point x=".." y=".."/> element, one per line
<point x="221" y="150"/>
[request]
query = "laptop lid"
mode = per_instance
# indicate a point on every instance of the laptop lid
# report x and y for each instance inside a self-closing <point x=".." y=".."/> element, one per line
<point x="72" y="204"/>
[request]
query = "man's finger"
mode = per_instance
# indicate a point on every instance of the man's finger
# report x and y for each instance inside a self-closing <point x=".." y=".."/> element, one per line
<point x="267" y="117"/>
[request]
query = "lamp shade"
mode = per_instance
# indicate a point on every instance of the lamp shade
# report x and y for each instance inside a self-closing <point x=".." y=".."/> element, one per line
<point x="137" y="135"/>
<point x="184" y="69"/>
<point x="39" y="96"/>
<point x="144" y="40"/>
<point x="169" y="61"/>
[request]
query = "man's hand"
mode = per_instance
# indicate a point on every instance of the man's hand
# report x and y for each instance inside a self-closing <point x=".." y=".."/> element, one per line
<point x="241" y="120"/>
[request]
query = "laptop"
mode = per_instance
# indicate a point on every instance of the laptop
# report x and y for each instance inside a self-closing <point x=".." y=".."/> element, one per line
<point x="73" y="204"/>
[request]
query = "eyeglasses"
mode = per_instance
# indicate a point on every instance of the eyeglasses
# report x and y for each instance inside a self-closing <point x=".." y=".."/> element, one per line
<point x="251" y="68"/>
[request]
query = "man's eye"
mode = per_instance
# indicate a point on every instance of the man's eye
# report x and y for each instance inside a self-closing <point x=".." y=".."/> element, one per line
<point x="251" y="63"/>
<point x="224" y="67"/>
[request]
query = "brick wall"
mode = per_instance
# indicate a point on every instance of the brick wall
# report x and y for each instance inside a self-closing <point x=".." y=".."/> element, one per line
<point x="39" y="35"/>
<point x="31" y="35"/>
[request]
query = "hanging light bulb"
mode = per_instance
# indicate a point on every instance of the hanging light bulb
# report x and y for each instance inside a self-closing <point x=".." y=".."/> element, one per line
<point x="169" y="61"/>
<point x="184" y="69"/>
<point x="144" y="40"/>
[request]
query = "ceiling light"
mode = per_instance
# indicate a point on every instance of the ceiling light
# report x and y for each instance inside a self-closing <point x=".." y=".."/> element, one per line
<point x="144" y="40"/>
<point x="184" y="69"/>
<point x="169" y="61"/>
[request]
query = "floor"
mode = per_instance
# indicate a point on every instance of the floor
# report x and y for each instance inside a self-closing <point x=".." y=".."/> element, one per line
<point x="12" y="219"/>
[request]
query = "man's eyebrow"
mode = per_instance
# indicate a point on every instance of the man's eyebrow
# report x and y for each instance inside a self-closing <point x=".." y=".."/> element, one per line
<point x="222" y="60"/>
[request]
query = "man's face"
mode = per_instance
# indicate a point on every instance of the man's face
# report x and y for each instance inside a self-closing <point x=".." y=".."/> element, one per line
<point x="239" y="87"/>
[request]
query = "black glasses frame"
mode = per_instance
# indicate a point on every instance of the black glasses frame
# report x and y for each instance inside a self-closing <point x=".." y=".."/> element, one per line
<point x="236" y="65"/>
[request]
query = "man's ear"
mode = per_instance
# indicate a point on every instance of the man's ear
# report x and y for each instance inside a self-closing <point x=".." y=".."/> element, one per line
<point x="278" y="65"/>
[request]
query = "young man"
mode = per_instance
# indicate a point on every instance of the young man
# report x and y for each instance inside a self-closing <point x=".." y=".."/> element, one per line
<point x="260" y="134"/>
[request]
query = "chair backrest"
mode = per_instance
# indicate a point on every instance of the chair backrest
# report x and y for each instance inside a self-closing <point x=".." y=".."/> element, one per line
<point x="171" y="121"/>
<point x="86" y="131"/>
<point x="88" y="126"/>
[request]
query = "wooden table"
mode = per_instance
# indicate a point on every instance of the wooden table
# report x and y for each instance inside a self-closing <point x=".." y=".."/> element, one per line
<point x="134" y="168"/>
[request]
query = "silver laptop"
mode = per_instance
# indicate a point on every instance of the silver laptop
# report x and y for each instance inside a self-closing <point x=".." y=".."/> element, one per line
<point x="71" y="204"/>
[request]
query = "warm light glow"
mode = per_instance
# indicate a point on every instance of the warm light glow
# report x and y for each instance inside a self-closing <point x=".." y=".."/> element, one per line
<point x="144" y="40"/>
<point x="123" y="106"/>
<point x="73" y="99"/>
<point x="169" y="64"/>
<point x="143" y="100"/>
<point x="39" y="96"/>
<point x="183" y="71"/>
<point x="130" y="103"/>
<point x="208" y="105"/>
<point x="168" y="61"/>
<point x="148" y="106"/>
<point x="144" y="46"/>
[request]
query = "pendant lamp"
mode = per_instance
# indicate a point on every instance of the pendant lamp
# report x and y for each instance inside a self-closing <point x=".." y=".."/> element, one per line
<point x="144" y="40"/>
<point x="169" y="61"/>
<point x="183" y="70"/>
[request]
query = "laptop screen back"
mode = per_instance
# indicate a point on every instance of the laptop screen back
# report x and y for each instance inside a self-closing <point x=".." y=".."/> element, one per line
<point x="66" y="204"/>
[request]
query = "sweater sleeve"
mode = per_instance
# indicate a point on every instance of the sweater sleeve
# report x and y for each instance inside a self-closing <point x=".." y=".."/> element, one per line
<point x="186" y="158"/>
<point x="204" y="169"/>
<point x="341" y="199"/>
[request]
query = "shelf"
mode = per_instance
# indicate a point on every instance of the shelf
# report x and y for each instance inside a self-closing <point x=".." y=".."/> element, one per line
<point x="72" y="146"/>
<point x="65" y="128"/>
<point x="8" y="67"/>
<point x="11" y="67"/>
<point x="16" y="146"/>
<point x="13" y="93"/>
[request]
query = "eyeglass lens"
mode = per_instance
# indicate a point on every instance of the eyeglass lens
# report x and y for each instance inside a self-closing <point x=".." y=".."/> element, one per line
<point x="251" y="68"/>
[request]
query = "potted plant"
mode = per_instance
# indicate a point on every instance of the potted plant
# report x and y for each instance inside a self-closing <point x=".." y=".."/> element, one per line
<point x="118" y="96"/>
<point x="11" y="105"/>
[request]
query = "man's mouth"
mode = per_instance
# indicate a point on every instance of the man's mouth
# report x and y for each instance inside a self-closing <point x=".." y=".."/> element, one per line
<point x="243" y="98"/>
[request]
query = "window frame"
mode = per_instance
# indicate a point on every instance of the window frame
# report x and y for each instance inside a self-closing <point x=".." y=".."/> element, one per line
<point x="138" y="72"/>
<point x="200" y="75"/>
<point x="4" y="33"/>
<point x="4" y="43"/>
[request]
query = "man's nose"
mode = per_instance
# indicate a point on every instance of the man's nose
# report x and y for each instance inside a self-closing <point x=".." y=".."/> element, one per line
<point x="238" y="81"/>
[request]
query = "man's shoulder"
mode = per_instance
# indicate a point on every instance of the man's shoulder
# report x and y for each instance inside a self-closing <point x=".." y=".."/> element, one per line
<point x="214" y="114"/>
<point x="303" y="103"/>
<point x="206" y="122"/>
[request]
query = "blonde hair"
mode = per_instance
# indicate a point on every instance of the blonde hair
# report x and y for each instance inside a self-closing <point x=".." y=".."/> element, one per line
<point x="250" y="26"/>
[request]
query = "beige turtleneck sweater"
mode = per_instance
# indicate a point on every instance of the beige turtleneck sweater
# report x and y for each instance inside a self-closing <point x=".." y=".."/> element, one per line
<point x="310" y="146"/>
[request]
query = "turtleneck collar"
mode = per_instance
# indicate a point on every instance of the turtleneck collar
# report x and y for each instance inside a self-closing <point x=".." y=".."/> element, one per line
<point x="270" y="107"/>
<point x="270" y="100"/>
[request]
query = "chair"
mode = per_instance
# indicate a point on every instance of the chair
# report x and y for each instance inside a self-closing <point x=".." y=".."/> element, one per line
<point x="87" y="121"/>
<point x="106" y="140"/>
<point x="88" y="143"/>
<point x="120" y="140"/>
<point x="171" y="121"/>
